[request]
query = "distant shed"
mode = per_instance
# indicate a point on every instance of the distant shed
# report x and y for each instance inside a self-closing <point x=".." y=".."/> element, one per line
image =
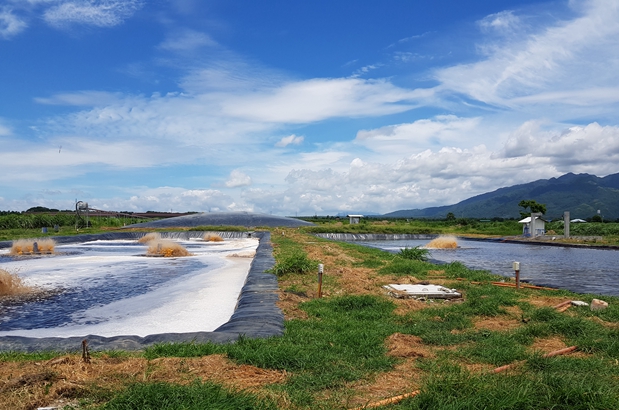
<point x="537" y="228"/>
<point x="354" y="219"/>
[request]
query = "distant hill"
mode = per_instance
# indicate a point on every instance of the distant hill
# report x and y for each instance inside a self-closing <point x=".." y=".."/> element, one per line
<point x="581" y="194"/>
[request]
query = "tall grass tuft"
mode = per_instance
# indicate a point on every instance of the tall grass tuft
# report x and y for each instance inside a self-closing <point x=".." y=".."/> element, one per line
<point x="295" y="262"/>
<point x="416" y="253"/>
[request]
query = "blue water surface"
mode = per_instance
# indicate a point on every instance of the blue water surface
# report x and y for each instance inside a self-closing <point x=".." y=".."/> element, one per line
<point x="577" y="269"/>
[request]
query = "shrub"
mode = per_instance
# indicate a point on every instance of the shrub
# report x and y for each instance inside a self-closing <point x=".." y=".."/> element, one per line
<point x="295" y="262"/>
<point x="416" y="253"/>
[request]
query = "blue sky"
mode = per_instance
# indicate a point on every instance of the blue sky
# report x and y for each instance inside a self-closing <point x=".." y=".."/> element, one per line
<point x="300" y="107"/>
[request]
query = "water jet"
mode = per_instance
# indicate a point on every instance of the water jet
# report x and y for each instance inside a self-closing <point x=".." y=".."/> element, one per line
<point x="443" y="242"/>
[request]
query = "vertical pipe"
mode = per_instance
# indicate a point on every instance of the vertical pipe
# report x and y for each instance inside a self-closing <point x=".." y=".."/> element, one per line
<point x="320" y="271"/>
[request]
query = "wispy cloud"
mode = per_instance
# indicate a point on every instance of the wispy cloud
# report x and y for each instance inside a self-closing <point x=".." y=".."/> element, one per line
<point x="101" y="13"/>
<point x="185" y="40"/>
<point x="10" y="24"/>
<point x="573" y="54"/>
<point x="504" y="22"/>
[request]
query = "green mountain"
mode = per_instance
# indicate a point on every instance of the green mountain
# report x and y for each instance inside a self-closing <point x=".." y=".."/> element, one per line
<point x="581" y="194"/>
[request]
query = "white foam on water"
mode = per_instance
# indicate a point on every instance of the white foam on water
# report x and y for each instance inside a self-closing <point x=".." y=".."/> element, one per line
<point x="200" y="301"/>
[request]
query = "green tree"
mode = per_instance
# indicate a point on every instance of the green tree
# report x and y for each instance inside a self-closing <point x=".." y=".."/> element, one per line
<point x="532" y="205"/>
<point x="450" y="216"/>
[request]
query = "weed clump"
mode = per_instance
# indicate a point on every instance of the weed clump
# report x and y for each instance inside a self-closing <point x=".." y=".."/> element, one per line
<point x="11" y="284"/>
<point x="32" y="246"/>
<point x="152" y="236"/>
<point x="166" y="249"/>
<point x="295" y="262"/>
<point x="416" y="254"/>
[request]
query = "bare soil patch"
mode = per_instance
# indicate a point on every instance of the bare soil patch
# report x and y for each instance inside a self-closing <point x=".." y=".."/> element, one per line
<point x="405" y="377"/>
<point x="402" y="345"/>
<point x="497" y="323"/>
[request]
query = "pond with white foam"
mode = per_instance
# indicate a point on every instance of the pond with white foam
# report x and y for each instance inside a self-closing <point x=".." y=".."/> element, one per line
<point x="582" y="270"/>
<point x="111" y="288"/>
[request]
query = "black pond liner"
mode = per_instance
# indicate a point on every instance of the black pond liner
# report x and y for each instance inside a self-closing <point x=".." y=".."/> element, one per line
<point x="256" y="314"/>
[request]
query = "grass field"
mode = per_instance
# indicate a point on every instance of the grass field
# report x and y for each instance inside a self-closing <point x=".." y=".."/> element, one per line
<point x="356" y="346"/>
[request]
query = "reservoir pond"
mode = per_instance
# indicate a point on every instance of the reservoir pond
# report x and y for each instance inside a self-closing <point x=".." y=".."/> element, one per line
<point x="580" y="270"/>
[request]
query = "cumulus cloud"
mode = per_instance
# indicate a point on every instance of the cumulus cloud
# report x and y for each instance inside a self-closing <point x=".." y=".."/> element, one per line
<point x="10" y="24"/>
<point x="238" y="179"/>
<point x="447" y="175"/>
<point x="440" y="130"/>
<point x="291" y="139"/>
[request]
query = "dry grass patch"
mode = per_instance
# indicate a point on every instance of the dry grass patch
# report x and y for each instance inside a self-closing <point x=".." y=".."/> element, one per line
<point x="497" y="323"/>
<point x="545" y="301"/>
<point x="404" y="378"/>
<point x="28" y="385"/>
<point x="546" y="345"/>
<point x="402" y="345"/>
<point x="289" y="304"/>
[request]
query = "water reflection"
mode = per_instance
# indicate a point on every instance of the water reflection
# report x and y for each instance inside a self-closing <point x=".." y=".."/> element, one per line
<point x="576" y="269"/>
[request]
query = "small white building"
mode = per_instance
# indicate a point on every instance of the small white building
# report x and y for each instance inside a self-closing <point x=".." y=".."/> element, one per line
<point x="537" y="228"/>
<point x="354" y="219"/>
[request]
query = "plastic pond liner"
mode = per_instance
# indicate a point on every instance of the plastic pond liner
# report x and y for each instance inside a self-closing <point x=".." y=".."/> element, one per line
<point x="254" y="315"/>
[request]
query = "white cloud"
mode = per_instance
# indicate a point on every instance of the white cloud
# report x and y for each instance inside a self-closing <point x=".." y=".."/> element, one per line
<point x="291" y="139"/>
<point x="4" y="130"/>
<point x="187" y="40"/>
<point x="321" y="98"/>
<point x="10" y="24"/>
<point x="238" y="179"/>
<point x="101" y="13"/>
<point x="441" y="130"/>
<point x="81" y="98"/>
<point x="577" y="56"/>
<point x="504" y="22"/>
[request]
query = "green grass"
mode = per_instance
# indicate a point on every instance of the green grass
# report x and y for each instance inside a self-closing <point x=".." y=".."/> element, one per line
<point x="417" y="226"/>
<point x="197" y="395"/>
<point x="560" y="383"/>
<point x="343" y="341"/>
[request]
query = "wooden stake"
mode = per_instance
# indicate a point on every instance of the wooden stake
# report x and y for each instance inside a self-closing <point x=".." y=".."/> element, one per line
<point x="85" y="352"/>
<point x="391" y="400"/>
<point x="551" y="354"/>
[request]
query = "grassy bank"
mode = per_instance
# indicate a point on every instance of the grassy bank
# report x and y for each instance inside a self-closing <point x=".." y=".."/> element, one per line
<point x="356" y="346"/>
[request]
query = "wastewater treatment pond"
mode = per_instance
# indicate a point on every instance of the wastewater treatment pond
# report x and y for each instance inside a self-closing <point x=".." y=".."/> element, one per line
<point x="111" y="288"/>
<point x="580" y="270"/>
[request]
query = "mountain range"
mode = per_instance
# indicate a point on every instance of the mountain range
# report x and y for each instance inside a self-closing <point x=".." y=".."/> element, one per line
<point x="581" y="194"/>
